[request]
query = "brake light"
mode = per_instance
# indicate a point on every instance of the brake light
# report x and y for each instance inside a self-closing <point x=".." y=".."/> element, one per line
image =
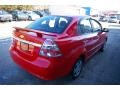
<point x="50" y="49"/>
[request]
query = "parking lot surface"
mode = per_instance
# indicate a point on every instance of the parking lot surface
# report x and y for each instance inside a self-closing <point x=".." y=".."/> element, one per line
<point x="102" y="68"/>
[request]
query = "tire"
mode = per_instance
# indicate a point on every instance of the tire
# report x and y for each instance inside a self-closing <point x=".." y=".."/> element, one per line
<point x="10" y="20"/>
<point x="16" y="18"/>
<point x="103" y="47"/>
<point x="29" y="18"/>
<point x="119" y="22"/>
<point x="76" y="71"/>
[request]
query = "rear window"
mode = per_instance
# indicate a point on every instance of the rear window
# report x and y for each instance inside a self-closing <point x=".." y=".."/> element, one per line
<point x="53" y="24"/>
<point x="20" y="12"/>
<point x="113" y="17"/>
<point x="1" y="13"/>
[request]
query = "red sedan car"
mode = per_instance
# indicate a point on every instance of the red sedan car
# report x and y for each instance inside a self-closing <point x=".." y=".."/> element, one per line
<point x="54" y="46"/>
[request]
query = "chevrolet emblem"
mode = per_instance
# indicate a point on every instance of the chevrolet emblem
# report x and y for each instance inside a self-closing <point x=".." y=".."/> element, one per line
<point x="21" y="36"/>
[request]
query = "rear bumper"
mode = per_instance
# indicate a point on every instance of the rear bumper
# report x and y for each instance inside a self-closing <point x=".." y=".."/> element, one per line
<point x="41" y="67"/>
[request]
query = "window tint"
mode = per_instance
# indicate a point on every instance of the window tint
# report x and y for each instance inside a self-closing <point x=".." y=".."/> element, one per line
<point x="14" y="12"/>
<point x="84" y="27"/>
<point x="3" y="12"/>
<point x="20" y="12"/>
<point x="54" y="24"/>
<point x="95" y="25"/>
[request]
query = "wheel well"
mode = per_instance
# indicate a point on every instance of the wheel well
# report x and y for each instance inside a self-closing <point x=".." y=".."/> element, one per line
<point x="106" y="39"/>
<point x="82" y="57"/>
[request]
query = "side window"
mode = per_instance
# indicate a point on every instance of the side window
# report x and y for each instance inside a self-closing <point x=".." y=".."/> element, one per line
<point x="95" y="26"/>
<point x="13" y="12"/>
<point x="84" y="26"/>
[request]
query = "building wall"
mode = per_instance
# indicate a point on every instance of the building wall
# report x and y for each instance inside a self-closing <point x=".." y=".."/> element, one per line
<point x="66" y="10"/>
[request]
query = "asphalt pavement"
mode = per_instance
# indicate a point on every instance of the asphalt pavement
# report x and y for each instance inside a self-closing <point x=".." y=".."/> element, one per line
<point x="102" y="68"/>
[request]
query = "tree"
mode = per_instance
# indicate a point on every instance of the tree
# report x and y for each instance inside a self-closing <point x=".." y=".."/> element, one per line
<point x="16" y="7"/>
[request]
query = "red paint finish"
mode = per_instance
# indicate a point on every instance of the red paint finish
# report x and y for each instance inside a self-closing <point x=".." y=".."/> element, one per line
<point x="68" y="47"/>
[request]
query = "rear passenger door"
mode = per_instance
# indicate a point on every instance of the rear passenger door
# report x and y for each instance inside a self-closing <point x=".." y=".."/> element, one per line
<point x="97" y="32"/>
<point x="86" y="34"/>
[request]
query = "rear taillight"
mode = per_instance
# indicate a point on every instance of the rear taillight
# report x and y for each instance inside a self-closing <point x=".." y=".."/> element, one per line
<point x="50" y="49"/>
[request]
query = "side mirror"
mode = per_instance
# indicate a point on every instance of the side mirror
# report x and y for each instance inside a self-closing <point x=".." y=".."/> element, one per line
<point x="105" y="30"/>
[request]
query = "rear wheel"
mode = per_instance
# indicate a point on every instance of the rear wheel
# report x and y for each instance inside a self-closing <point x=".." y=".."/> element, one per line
<point x="77" y="69"/>
<point x="10" y="20"/>
<point x="16" y="18"/>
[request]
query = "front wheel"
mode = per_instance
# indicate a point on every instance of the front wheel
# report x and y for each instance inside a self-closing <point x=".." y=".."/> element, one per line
<point x="16" y="19"/>
<point x="77" y="69"/>
<point x="10" y="20"/>
<point x="103" y="47"/>
<point x="29" y="18"/>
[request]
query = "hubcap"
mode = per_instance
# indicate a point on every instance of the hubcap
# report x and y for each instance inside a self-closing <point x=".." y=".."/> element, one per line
<point x="77" y="68"/>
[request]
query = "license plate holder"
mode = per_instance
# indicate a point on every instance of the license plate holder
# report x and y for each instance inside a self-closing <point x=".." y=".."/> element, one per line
<point x="24" y="46"/>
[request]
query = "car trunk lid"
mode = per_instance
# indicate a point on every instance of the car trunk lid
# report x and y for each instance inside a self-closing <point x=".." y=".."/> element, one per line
<point x="28" y="42"/>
